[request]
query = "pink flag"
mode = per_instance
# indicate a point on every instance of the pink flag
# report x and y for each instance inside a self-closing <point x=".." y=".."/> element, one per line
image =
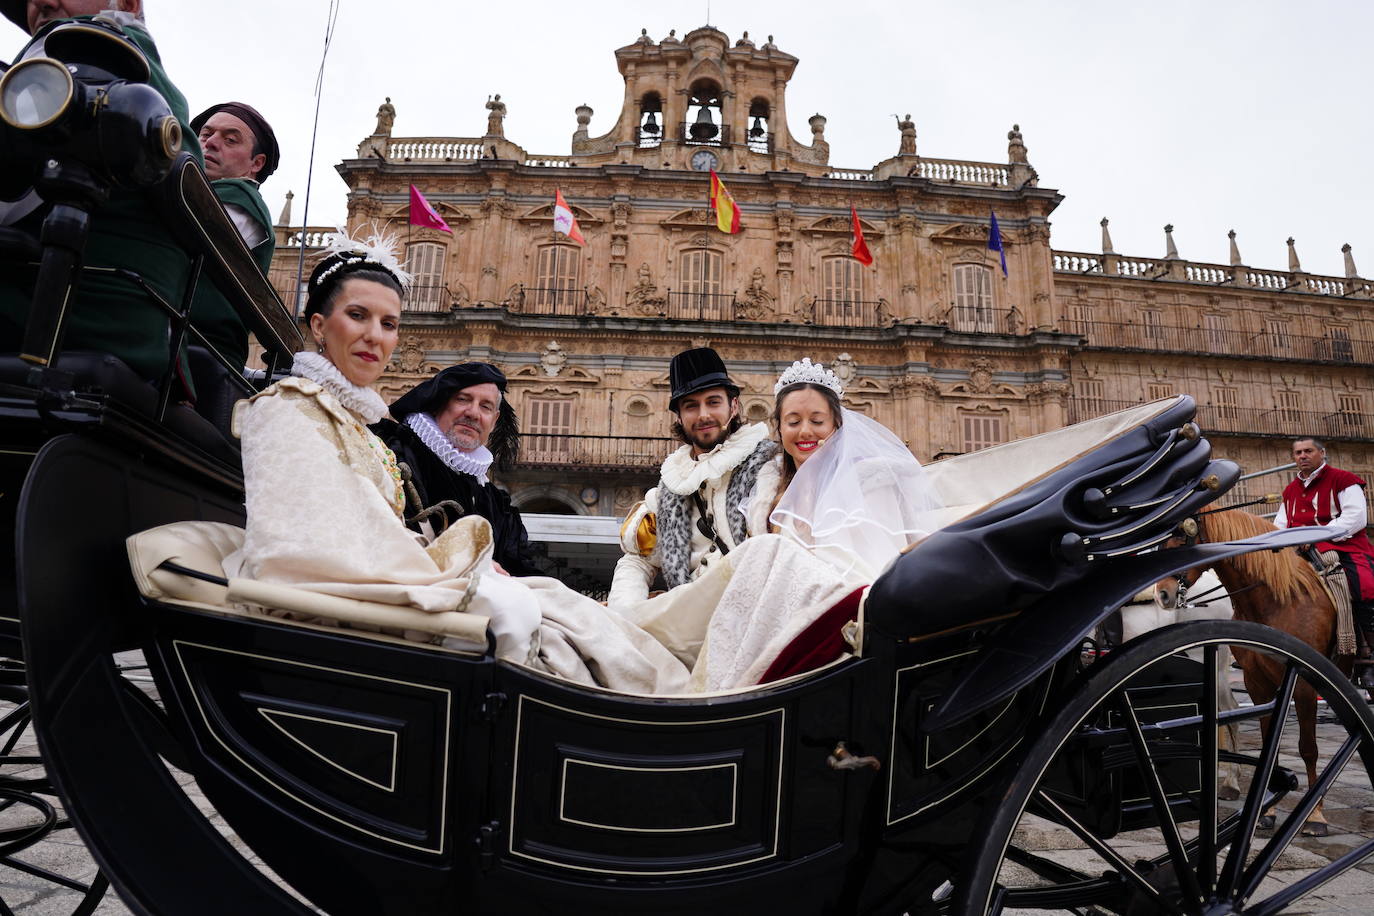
<point x="422" y="214"/>
<point x="563" y="219"/>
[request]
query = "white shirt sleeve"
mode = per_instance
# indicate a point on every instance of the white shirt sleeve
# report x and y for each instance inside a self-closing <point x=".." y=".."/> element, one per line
<point x="1354" y="512"/>
<point x="1281" y="518"/>
<point x="249" y="228"/>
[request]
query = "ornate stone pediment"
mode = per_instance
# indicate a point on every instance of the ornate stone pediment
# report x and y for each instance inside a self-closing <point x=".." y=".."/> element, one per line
<point x="568" y="375"/>
<point x="544" y="214"/>
<point x="691" y="218"/>
<point x="449" y="212"/>
<point x="841" y="225"/>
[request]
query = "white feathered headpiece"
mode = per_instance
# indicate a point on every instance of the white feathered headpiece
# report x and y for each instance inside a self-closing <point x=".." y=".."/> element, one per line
<point x="377" y="250"/>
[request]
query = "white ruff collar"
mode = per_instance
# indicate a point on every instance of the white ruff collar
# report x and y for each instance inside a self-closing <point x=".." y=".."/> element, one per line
<point x="364" y="402"/>
<point x="474" y="462"/>
<point x="682" y="474"/>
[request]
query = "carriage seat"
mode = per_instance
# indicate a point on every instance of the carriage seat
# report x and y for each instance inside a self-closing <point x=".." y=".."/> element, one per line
<point x="203" y="546"/>
<point x="104" y="374"/>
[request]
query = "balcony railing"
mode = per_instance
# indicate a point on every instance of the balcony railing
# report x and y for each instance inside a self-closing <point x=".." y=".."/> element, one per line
<point x="849" y="313"/>
<point x="722" y="137"/>
<point x="1277" y="422"/>
<point x="544" y="300"/>
<point x="975" y="320"/>
<point x="700" y="306"/>
<point x="428" y="299"/>
<point x="604" y="452"/>
<point x="647" y="140"/>
<point x="1114" y="335"/>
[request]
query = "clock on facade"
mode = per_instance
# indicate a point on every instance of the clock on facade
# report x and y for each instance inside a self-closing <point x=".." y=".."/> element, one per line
<point x="703" y="160"/>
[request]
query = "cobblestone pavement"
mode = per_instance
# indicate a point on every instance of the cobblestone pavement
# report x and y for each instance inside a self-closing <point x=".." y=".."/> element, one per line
<point x="1349" y="808"/>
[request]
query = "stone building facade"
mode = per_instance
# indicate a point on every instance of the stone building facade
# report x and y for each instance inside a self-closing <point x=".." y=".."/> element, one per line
<point x="931" y="340"/>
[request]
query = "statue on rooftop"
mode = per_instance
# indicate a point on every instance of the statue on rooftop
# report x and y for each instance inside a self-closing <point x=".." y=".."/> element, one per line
<point x="908" y="129"/>
<point x="1016" y="148"/>
<point x="497" y="109"/>
<point x="744" y="41"/>
<point x="386" y="116"/>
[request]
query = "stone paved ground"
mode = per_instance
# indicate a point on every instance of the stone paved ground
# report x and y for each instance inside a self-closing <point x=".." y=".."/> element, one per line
<point x="1349" y="808"/>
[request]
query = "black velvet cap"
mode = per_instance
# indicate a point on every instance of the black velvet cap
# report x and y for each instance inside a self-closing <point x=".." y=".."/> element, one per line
<point x="696" y="370"/>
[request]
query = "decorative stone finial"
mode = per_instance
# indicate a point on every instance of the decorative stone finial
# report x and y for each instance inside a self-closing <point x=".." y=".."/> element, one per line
<point x="1350" y="272"/>
<point x="744" y="41"/>
<point x="1235" y="249"/>
<point x="818" y="141"/>
<point x="768" y="45"/>
<point x="1016" y="147"/>
<point x="285" y="218"/>
<point x="1294" y="265"/>
<point x="1170" y="250"/>
<point x="1106" y="239"/>
<point x="584" y="117"/>
<point x="907" y="147"/>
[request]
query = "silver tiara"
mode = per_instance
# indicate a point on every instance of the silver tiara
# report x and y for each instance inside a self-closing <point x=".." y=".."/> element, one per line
<point x="803" y="370"/>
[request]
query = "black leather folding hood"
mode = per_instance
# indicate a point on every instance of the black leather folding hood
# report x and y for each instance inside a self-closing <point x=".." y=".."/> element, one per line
<point x="1023" y="648"/>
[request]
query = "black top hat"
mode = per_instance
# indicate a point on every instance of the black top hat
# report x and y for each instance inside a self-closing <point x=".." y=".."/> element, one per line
<point x="696" y="370"/>
<point x="16" y="11"/>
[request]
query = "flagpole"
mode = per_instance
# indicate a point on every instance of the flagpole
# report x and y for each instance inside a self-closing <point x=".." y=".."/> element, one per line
<point x="334" y="6"/>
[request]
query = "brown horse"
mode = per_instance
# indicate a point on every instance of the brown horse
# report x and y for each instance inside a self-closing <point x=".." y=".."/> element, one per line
<point x="1278" y="589"/>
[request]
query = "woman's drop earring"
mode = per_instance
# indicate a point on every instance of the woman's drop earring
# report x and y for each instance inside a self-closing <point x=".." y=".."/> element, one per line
<point x="319" y="345"/>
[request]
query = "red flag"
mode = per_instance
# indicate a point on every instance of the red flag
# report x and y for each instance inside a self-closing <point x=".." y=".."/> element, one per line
<point x="727" y="211"/>
<point x="563" y="219"/>
<point x="860" y="249"/>
<point x="422" y="214"/>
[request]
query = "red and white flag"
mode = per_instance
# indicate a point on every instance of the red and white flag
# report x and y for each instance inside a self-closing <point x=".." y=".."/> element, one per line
<point x="860" y="247"/>
<point x="422" y="213"/>
<point x="563" y="219"/>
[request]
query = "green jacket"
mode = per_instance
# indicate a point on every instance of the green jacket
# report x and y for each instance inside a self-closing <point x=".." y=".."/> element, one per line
<point x="110" y="314"/>
<point x="211" y="313"/>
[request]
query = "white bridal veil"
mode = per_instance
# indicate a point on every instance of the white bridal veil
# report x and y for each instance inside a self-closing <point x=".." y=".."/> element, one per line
<point x="858" y="500"/>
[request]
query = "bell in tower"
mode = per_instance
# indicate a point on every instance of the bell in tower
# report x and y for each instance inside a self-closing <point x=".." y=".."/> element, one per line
<point x="704" y="129"/>
<point x="757" y="130"/>
<point x="650" y="125"/>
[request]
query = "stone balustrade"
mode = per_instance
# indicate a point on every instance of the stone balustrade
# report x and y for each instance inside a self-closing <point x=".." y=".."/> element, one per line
<point x="1110" y="264"/>
<point x="959" y="171"/>
<point x="435" y="149"/>
<point x="312" y="237"/>
<point x="850" y="174"/>
<point x="551" y="162"/>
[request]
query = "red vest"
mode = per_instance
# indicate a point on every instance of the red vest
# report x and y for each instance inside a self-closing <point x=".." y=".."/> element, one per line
<point x="1316" y="505"/>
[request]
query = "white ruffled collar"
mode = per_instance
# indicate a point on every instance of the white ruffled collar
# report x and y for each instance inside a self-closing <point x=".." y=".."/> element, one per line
<point x="364" y="402"/>
<point x="475" y="462"/>
<point x="682" y="474"/>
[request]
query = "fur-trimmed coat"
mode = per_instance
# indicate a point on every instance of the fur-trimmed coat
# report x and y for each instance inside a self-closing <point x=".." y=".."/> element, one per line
<point x="656" y="539"/>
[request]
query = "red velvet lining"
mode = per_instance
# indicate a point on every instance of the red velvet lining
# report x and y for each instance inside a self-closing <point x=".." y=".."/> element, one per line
<point x="820" y="643"/>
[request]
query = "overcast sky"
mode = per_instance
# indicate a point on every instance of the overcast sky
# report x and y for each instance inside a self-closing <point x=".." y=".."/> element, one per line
<point x="1208" y="115"/>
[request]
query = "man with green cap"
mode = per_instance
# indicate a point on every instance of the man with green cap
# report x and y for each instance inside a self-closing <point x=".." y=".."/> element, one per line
<point x="108" y="313"/>
<point x="240" y="152"/>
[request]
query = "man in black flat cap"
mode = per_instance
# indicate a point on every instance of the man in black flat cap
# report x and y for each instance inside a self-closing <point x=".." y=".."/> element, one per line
<point x="449" y="432"/>
<point x="694" y="516"/>
<point x="240" y="152"/>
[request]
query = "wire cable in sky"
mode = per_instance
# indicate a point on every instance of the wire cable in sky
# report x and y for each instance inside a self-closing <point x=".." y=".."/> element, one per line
<point x="334" y="6"/>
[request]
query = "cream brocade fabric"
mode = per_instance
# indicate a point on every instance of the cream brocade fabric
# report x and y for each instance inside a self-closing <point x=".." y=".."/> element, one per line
<point x="324" y="515"/>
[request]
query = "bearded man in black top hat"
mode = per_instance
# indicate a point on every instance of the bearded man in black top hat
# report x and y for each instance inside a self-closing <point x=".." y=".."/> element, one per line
<point x="452" y="430"/>
<point x="694" y="516"/>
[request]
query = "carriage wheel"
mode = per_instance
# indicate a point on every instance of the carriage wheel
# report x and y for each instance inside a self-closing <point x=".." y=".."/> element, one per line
<point x="1110" y="808"/>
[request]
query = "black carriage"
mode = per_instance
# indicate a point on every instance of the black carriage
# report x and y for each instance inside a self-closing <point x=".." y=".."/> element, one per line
<point x="375" y="775"/>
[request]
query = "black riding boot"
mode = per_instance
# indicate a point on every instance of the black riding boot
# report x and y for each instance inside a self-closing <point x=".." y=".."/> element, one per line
<point x="1364" y="662"/>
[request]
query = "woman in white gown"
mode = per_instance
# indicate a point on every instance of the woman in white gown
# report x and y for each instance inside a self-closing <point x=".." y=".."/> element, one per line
<point x="325" y="500"/>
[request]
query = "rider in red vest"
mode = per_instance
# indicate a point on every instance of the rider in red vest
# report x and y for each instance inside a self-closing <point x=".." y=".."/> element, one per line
<point x="1326" y="495"/>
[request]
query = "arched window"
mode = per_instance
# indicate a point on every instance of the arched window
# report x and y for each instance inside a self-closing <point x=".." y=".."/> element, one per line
<point x="760" y="137"/>
<point x="425" y="261"/>
<point x="650" y="117"/>
<point x="700" y="281"/>
<point x="973" y="299"/>
<point x="558" y="289"/>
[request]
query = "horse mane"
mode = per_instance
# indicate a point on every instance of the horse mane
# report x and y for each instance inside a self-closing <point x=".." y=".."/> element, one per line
<point x="1284" y="572"/>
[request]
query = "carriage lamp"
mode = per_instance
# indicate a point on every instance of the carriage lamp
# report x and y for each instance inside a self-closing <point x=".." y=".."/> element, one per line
<point x="121" y="130"/>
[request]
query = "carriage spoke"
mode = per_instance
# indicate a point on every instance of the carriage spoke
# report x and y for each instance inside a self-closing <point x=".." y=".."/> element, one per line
<point x="1280" y="901"/>
<point x="1207" y="816"/>
<point x="1112" y="857"/>
<point x="1167" y="825"/>
<point x="1259" y="782"/>
<point x="1294" y="822"/>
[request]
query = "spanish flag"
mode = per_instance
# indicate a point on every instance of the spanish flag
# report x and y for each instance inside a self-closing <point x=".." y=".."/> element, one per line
<point x="727" y="211"/>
